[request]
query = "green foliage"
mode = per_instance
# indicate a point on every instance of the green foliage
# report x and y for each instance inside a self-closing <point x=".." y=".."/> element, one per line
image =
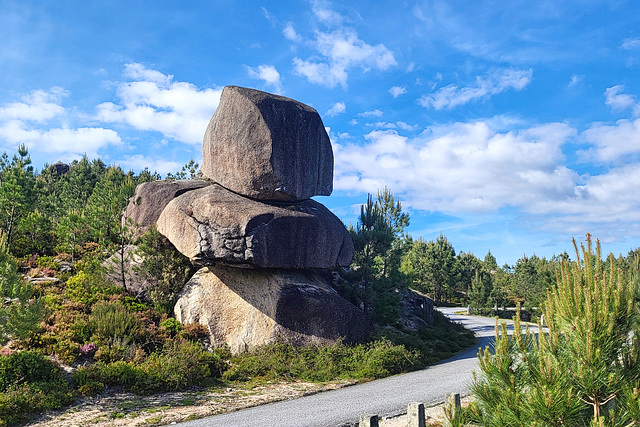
<point x="20" y="312"/>
<point x="378" y="247"/>
<point x="584" y="370"/>
<point x="29" y="383"/>
<point x="180" y="365"/>
<point x="113" y="323"/>
<point x="432" y="267"/>
<point x="323" y="363"/>
<point x="163" y="266"/>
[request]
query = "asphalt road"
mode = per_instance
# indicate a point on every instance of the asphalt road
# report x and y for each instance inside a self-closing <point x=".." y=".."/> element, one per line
<point x="384" y="397"/>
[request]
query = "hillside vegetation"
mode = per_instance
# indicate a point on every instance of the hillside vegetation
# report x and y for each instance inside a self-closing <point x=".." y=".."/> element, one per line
<point x="59" y="307"/>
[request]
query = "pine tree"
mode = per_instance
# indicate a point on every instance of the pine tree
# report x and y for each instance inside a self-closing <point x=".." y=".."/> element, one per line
<point x="583" y="370"/>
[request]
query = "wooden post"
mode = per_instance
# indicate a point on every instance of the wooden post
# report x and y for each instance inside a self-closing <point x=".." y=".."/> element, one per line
<point x="368" y="420"/>
<point x="415" y="415"/>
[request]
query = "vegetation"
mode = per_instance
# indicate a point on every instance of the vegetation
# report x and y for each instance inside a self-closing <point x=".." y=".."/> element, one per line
<point x="583" y="370"/>
<point x="60" y="229"/>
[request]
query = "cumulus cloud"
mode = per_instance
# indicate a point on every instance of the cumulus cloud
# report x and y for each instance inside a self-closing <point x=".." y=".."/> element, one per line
<point x="396" y="91"/>
<point x="337" y="108"/>
<point x="291" y="34"/>
<point x="268" y="74"/>
<point x="612" y="142"/>
<point x="465" y="167"/>
<point x="153" y="101"/>
<point x="339" y="51"/>
<point x="617" y="100"/>
<point x="493" y="83"/>
<point x="139" y="162"/>
<point x="39" y="121"/>
<point x="38" y="106"/>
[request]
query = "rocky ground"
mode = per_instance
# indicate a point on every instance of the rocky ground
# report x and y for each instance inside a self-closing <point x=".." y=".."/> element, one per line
<point x="126" y="409"/>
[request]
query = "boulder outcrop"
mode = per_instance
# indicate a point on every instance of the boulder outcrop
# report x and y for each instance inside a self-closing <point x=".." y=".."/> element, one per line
<point x="267" y="147"/>
<point x="246" y="308"/>
<point x="150" y="198"/>
<point x="212" y="224"/>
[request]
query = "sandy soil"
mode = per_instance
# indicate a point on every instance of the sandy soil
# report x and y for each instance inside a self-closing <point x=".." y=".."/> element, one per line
<point x="127" y="409"/>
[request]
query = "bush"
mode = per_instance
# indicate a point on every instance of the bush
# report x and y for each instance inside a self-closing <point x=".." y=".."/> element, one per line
<point x="180" y="365"/>
<point x="29" y="382"/>
<point x="323" y="363"/>
<point x="113" y="323"/>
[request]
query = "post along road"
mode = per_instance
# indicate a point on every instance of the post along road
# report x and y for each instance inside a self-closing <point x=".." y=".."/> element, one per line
<point x="385" y="397"/>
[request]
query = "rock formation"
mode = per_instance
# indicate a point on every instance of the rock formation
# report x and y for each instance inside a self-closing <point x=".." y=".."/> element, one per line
<point x="150" y="198"/>
<point x="254" y="231"/>
<point x="245" y="308"/>
<point x="267" y="147"/>
<point x="213" y="224"/>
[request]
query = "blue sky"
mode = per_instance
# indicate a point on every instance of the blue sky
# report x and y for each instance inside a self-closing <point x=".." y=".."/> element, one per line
<point x="507" y="126"/>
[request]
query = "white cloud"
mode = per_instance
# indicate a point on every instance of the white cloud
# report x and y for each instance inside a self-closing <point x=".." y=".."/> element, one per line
<point x="617" y="100"/>
<point x="39" y="122"/>
<point x="139" y="162"/>
<point x="405" y="126"/>
<point x="630" y="44"/>
<point x="575" y="80"/>
<point x="67" y="142"/>
<point x="493" y="83"/>
<point x="321" y="73"/>
<point x="465" y="167"/>
<point x="291" y="34"/>
<point x="153" y="101"/>
<point x="396" y="91"/>
<point x="37" y="106"/>
<point x="341" y="50"/>
<point x="268" y="74"/>
<point x="373" y="113"/>
<point x="612" y="142"/>
<point x="337" y="108"/>
<point x="325" y="14"/>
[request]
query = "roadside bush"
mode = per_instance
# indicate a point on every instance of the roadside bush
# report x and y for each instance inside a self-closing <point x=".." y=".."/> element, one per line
<point x="29" y="382"/>
<point x="323" y="363"/>
<point x="180" y="365"/>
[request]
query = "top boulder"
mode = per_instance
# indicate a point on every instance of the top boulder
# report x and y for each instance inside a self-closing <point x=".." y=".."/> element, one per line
<point x="267" y="147"/>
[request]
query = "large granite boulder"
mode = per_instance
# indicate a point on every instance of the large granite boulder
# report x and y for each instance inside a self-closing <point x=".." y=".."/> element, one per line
<point x="267" y="147"/>
<point x="246" y="308"/>
<point x="150" y="198"/>
<point x="213" y="224"/>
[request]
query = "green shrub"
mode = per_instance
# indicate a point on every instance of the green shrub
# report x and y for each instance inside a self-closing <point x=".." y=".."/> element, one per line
<point x="172" y="325"/>
<point x="178" y="366"/>
<point x="323" y="363"/>
<point x="112" y="322"/>
<point x="26" y="367"/>
<point x="91" y="388"/>
<point x="29" y="382"/>
<point x="48" y="262"/>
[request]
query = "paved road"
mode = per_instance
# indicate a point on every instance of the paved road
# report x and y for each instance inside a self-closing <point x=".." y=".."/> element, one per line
<point x="385" y="397"/>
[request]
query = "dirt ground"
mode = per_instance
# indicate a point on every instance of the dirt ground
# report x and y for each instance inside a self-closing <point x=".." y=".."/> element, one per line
<point x="126" y="409"/>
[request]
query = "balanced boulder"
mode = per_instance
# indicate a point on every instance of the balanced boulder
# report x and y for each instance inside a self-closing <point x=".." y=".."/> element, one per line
<point x="212" y="224"/>
<point x="267" y="147"/>
<point x="150" y="198"/>
<point x="246" y="308"/>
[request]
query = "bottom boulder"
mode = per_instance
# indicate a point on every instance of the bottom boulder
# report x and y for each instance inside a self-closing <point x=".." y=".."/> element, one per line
<point x="246" y="308"/>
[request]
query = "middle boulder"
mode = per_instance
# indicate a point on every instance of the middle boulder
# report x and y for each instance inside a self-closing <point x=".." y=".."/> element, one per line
<point x="213" y="224"/>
